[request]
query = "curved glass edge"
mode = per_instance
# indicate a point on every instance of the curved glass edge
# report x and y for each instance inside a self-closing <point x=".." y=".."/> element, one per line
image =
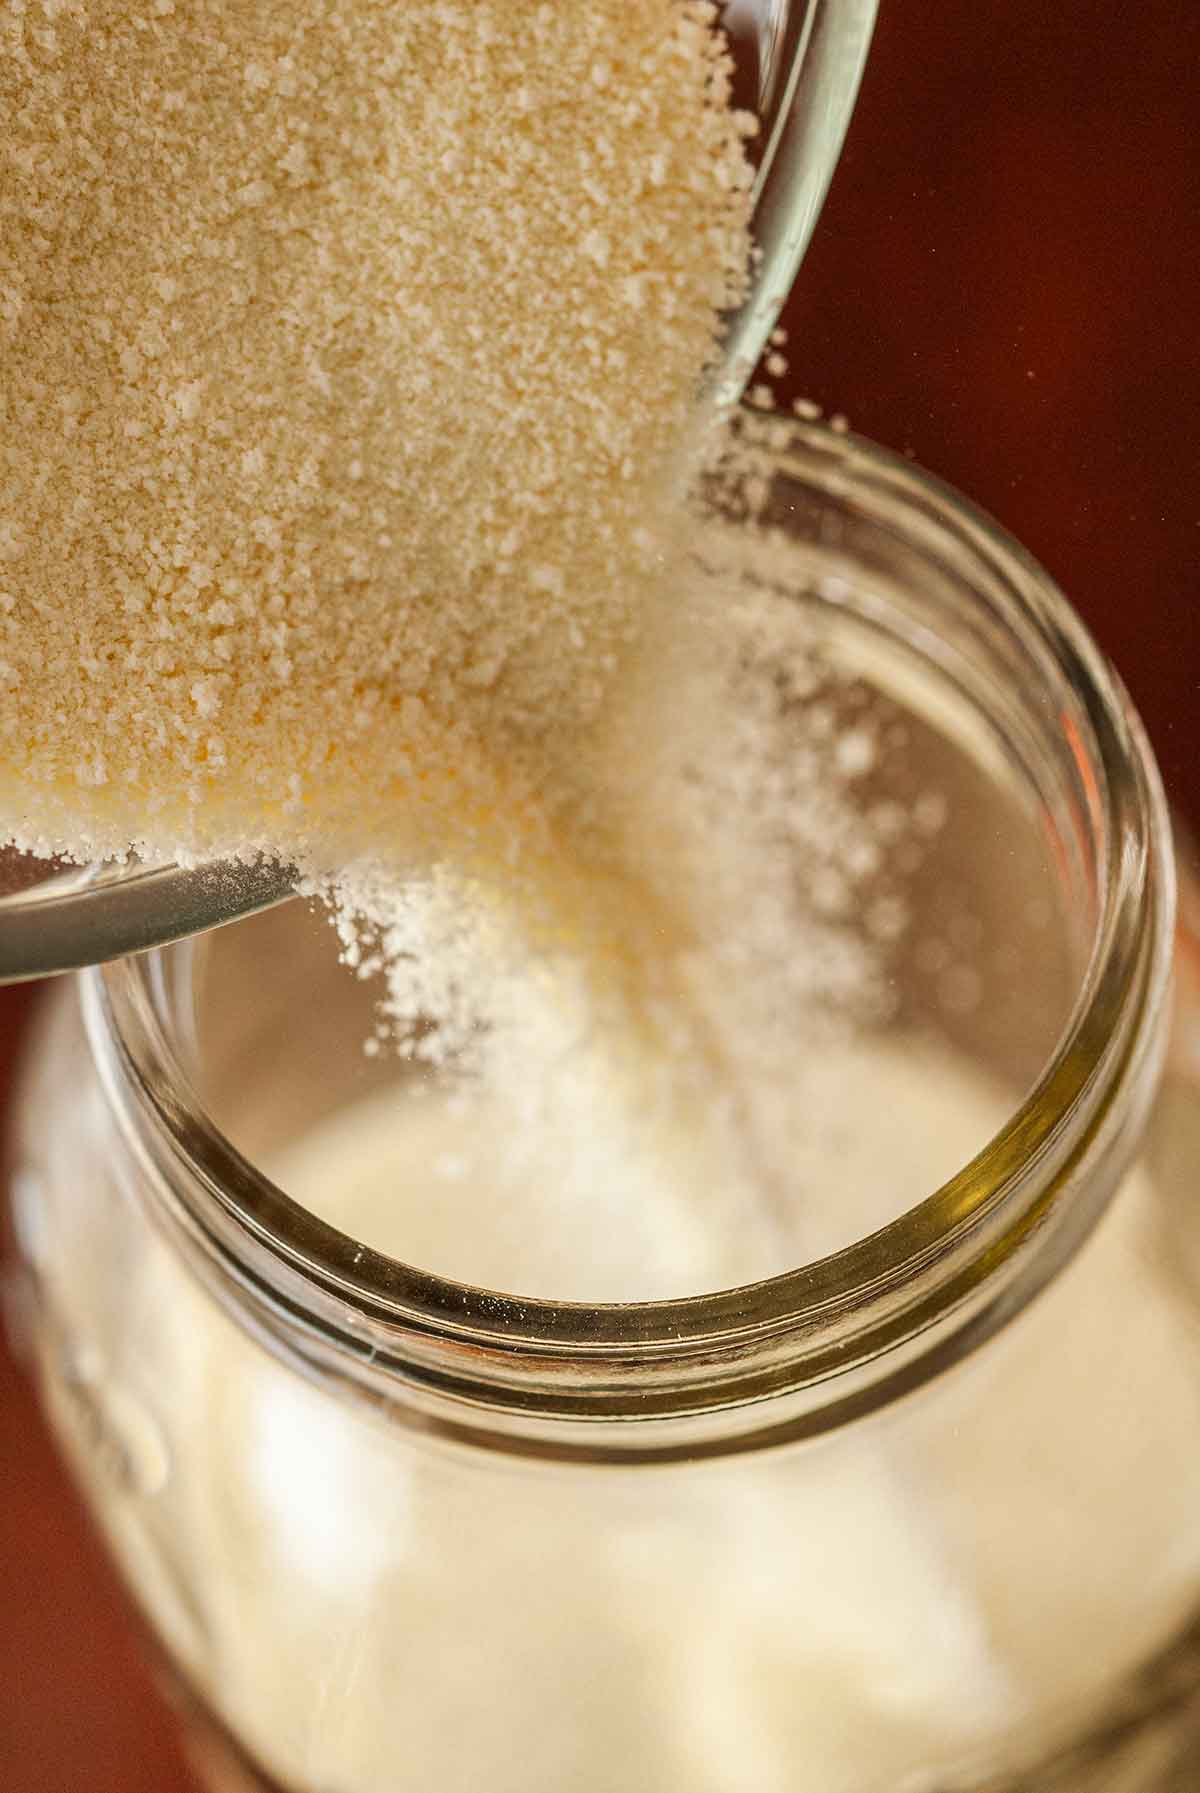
<point x="802" y="150"/>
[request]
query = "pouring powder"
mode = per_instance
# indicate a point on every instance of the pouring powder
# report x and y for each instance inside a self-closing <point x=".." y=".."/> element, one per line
<point x="350" y="373"/>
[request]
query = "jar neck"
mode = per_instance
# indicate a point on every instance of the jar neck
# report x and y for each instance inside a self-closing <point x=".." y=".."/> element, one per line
<point x="828" y="1341"/>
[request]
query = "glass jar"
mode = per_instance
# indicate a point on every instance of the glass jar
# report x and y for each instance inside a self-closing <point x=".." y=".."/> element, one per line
<point x="918" y="1511"/>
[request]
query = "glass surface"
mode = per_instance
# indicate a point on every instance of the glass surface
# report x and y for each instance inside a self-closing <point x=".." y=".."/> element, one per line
<point x="799" y="65"/>
<point x="394" y="1531"/>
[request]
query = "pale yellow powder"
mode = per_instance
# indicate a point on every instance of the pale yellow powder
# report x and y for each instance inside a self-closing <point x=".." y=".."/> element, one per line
<point x="347" y="353"/>
<point x="349" y="372"/>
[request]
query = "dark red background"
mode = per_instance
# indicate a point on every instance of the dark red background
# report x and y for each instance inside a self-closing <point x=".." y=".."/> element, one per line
<point x="1005" y="285"/>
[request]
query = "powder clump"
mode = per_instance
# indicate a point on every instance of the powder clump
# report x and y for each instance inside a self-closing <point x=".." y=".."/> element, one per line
<point x="348" y="355"/>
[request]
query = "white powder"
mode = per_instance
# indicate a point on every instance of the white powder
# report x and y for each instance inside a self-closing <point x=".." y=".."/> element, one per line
<point x="499" y="1187"/>
<point x="691" y="925"/>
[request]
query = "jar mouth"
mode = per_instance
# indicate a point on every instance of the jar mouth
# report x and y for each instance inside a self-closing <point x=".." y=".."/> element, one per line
<point x="826" y="1339"/>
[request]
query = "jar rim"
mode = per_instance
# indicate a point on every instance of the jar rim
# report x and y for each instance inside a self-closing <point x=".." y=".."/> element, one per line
<point x="832" y="1334"/>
